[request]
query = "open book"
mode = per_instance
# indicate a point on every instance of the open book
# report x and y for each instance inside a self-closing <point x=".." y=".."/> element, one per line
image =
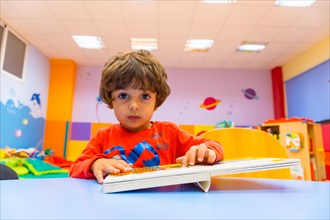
<point x="147" y="177"/>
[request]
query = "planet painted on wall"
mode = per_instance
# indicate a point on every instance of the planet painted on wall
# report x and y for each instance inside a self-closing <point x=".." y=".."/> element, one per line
<point x="210" y="103"/>
<point x="250" y="93"/>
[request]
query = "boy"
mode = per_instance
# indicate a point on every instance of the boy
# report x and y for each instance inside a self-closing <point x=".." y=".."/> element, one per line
<point x="134" y="85"/>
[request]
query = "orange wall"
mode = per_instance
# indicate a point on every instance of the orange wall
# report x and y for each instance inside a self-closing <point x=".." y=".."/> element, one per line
<point x="60" y="102"/>
<point x="61" y="90"/>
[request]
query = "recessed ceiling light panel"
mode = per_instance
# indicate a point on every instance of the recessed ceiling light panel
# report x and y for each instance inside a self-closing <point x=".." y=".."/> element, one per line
<point x="198" y="45"/>
<point x="150" y="44"/>
<point x="88" y="42"/>
<point x="252" y="46"/>
<point x="219" y="1"/>
<point x="294" y="3"/>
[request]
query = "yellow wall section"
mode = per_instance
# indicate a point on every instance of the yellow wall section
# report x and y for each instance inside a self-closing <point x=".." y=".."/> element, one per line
<point x="96" y="126"/>
<point x="61" y="90"/>
<point x="199" y="129"/>
<point x="307" y="60"/>
<point x="75" y="149"/>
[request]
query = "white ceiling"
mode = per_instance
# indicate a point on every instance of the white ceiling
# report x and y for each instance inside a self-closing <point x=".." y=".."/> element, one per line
<point x="49" y="25"/>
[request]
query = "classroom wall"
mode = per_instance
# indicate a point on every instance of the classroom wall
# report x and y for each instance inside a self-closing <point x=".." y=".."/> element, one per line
<point x="247" y="101"/>
<point x="242" y="96"/>
<point x="22" y="116"/>
<point x="307" y="83"/>
<point x="310" y="58"/>
<point x="308" y="94"/>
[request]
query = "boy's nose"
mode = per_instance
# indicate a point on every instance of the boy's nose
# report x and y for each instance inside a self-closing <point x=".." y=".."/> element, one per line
<point x="133" y="105"/>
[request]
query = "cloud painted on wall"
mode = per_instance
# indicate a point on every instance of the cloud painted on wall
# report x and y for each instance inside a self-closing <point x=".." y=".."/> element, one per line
<point x="19" y="129"/>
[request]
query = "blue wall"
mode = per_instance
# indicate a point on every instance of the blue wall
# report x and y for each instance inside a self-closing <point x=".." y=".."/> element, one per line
<point x="308" y="95"/>
<point x="23" y="104"/>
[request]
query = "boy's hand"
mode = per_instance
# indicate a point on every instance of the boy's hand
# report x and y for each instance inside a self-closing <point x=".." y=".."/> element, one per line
<point x="198" y="154"/>
<point x="102" y="167"/>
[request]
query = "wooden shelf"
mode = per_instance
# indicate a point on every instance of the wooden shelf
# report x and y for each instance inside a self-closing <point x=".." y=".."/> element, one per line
<point x="311" y="151"/>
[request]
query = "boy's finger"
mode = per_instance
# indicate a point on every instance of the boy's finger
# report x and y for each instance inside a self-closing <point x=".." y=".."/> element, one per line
<point x="192" y="155"/>
<point x="179" y="160"/>
<point x="201" y="155"/>
<point x="182" y="160"/>
<point x="211" y="157"/>
<point x="99" y="176"/>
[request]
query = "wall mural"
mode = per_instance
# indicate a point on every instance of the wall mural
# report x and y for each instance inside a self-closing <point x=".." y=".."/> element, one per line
<point x="250" y="93"/>
<point x="37" y="102"/>
<point x="19" y="129"/>
<point x="210" y="103"/>
<point x="98" y="103"/>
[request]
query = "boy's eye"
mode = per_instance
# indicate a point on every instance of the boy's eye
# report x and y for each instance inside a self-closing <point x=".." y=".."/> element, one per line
<point x="123" y="96"/>
<point x="145" y="96"/>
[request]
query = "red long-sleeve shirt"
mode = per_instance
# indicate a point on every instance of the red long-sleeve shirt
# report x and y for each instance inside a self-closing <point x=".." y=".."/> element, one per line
<point x="161" y="144"/>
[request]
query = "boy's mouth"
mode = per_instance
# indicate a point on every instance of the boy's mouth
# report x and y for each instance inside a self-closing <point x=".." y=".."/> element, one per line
<point x="134" y="117"/>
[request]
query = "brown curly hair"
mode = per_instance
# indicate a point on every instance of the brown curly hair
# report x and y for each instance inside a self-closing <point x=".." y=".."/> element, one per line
<point x="136" y="70"/>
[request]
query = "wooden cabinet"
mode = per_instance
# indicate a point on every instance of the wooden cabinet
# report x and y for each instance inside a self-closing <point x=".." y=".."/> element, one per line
<point x="311" y="151"/>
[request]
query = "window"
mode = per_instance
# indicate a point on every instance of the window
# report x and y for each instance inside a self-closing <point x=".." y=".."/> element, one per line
<point x="1" y="34"/>
<point x="14" y="50"/>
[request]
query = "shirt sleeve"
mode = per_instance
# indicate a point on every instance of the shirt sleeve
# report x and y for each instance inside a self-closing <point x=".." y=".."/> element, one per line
<point x="81" y="167"/>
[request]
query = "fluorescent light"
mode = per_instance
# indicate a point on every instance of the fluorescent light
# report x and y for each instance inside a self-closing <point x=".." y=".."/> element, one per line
<point x="88" y="42"/>
<point x="252" y="46"/>
<point x="220" y="1"/>
<point x="294" y="3"/>
<point x="198" y="45"/>
<point x="144" y="43"/>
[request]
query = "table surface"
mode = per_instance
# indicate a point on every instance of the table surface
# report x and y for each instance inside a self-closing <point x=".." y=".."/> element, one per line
<point x="228" y="198"/>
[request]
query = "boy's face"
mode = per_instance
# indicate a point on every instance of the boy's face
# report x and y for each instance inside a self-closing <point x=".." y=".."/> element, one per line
<point x="134" y="108"/>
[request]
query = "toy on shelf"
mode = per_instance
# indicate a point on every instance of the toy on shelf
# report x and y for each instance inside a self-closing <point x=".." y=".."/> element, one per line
<point x="225" y="124"/>
<point x="294" y="142"/>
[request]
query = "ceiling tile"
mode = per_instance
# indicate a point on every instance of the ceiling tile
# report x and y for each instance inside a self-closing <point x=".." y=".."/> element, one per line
<point x="8" y="11"/>
<point x="173" y="30"/>
<point x="79" y="27"/>
<point x="114" y="45"/>
<point x="142" y="30"/>
<point x="64" y="41"/>
<point x="211" y="14"/>
<point x="68" y="10"/>
<point x="111" y="29"/>
<point x="280" y="16"/>
<point x="140" y="11"/>
<point x="203" y="31"/>
<point x="104" y="10"/>
<point x="50" y="52"/>
<point x="176" y="11"/>
<point x="33" y="9"/>
<point x="38" y="40"/>
<point x="312" y="18"/>
<point x="48" y="27"/>
<point x="168" y="45"/>
<point x="277" y="48"/>
<point x="246" y="14"/>
<point x="169" y="55"/>
<point x="230" y="32"/>
<point x="288" y="30"/>
<point x="293" y="35"/>
<point x="263" y="34"/>
<point x="22" y="26"/>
